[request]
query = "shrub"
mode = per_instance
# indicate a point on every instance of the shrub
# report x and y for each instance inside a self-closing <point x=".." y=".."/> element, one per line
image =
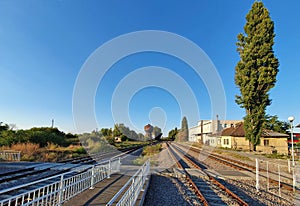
<point x="80" y="150"/>
<point x="26" y="157"/>
<point x="74" y="155"/>
<point x="50" y="157"/>
<point x="151" y="150"/>
<point x="51" y="146"/>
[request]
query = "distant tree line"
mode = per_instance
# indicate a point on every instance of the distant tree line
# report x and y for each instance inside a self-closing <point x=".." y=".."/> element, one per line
<point x="172" y="134"/>
<point x="123" y="132"/>
<point x="45" y="135"/>
<point x="41" y="136"/>
<point x="180" y="135"/>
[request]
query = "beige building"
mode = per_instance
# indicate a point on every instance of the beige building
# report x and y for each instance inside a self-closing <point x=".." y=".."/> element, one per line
<point x="270" y="141"/>
<point x="204" y="132"/>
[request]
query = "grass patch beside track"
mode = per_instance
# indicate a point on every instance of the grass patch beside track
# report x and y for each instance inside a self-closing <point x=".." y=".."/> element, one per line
<point x="148" y="152"/>
<point x="51" y="153"/>
<point x="275" y="156"/>
<point x="234" y="153"/>
<point x="129" y="144"/>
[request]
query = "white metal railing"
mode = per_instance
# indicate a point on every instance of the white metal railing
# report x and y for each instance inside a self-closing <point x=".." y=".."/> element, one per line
<point x="133" y="187"/>
<point x="10" y="155"/>
<point x="60" y="188"/>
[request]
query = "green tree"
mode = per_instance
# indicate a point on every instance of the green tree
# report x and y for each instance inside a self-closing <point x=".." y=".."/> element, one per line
<point x="106" y="132"/>
<point x="3" y="127"/>
<point x="183" y="134"/>
<point x="158" y="137"/>
<point x="120" y="130"/>
<point x="272" y="123"/>
<point x="116" y="132"/>
<point x="255" y="73"/>
<point x="156" y="131"/>
<point x="172" y="134"/>
<point x="7" y="138"/>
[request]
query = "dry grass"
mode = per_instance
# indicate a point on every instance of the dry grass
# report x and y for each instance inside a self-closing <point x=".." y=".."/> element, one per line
<point x="51" y="146"/>
<point x="196" y="144"/>
<point x="50" y="157"/>
<point x="5" y="148"/>
<point x="26" y="148"/>
<point x="50" y="153"/>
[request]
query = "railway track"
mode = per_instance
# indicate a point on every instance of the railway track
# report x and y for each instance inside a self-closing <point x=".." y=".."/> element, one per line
<point x="242" y="167"/>
<point x="94" y="158"/>
<point x="22" y="175"/>
<point x="17" y="181"/>
<point x="207" y="188"/>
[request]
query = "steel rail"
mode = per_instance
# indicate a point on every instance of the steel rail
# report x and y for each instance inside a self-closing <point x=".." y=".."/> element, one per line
<point x="214" y="180"/>
<point x="243" y="166"/>
<point x="61" y="188"/>
<point x="48" y="178"/>
<point x="188" y="178"/>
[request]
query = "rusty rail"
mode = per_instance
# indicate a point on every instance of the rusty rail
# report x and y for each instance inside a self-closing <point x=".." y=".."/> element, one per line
<point x="214" y="181"/>
<point x="188" y="178"/>
<point x="242" y="166"/>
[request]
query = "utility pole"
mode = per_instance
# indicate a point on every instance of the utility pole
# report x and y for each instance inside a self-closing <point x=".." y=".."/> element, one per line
<point x="291" y="119"/>
<point x="217" y="128"/>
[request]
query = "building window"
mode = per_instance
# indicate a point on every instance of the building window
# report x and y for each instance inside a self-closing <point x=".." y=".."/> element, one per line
<point x="266" y="142"/>
<point x="226" y="141"/>
<point x="231" y="125"/>
<point x="225" y="125"/>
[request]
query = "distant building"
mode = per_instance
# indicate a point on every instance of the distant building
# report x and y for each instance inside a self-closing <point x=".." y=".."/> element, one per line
<point x="206" y="131"/>
<point x="213" y="140"/>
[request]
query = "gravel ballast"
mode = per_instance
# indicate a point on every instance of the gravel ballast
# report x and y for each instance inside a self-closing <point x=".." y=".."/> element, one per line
<point x="167" y="187"/>
<point x="164" y="191"/>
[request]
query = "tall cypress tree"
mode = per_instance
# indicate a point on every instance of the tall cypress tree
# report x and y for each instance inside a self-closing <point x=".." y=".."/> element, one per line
<point x="255" y="73"/>
<point x="184" y="129"/>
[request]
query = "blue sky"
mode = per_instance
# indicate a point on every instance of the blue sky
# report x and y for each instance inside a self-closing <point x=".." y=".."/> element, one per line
<point x="44" y="44"/>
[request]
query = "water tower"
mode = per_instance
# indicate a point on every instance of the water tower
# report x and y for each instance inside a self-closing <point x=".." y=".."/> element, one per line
<point x="148" y="129"/>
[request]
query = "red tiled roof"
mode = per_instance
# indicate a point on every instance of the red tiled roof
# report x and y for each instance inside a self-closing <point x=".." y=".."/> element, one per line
<point x="239" y="131"/>
<point x="216" y="134"/>
<point x="227" y="131"/>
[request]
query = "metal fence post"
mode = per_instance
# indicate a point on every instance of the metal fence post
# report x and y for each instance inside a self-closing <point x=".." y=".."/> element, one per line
<point x="289" y="165"/>
<point x="109" y="168"/>
<point x="19" y="156"/>
<point x="133" y="190"/>
<point x="268" y="184"/>
<point x="294" y="179"/>
<point x="61" y="188"/>
<point x="257" y="175"/>
<point x="279" y="191"/>
<point x="92" y="178"/>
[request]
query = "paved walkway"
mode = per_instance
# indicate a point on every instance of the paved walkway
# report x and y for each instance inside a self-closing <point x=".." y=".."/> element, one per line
<point x="104" y="190"/>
